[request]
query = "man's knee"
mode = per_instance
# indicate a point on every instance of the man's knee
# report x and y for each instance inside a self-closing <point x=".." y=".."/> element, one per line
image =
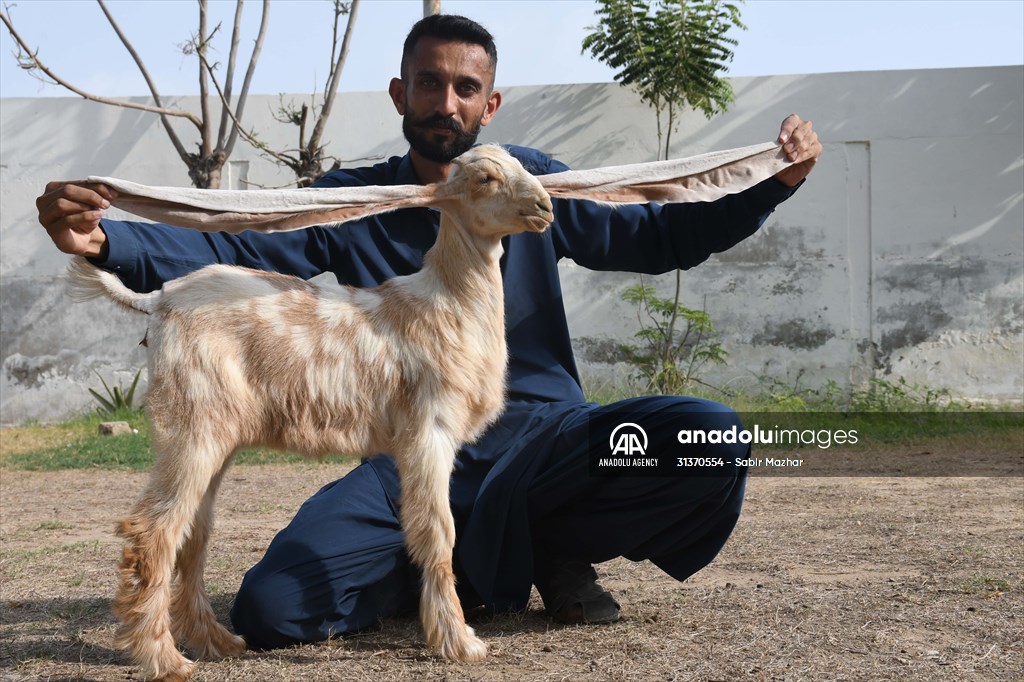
<point x="281" y="604"/>
<point x="262" y="613"/>
<point x="682" y="426"/>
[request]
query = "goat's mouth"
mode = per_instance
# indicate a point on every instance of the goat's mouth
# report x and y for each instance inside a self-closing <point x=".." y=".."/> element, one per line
<point x="538" y="222"/>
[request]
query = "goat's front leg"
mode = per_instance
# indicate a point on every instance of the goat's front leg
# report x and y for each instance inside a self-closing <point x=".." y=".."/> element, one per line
<point x="429" y="530"/>
<point x="192" y="618"/>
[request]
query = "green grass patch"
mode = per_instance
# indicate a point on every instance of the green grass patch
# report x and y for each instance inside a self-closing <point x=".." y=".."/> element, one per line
<point x="884" y="414"/>
<point x="128" y="451"/>
<point x="76" y="444"/>
<point x="80" y="547"/>
<point x="979" y="583"/>
<point x="53" y="524"/>
<point x="981" y="428"/>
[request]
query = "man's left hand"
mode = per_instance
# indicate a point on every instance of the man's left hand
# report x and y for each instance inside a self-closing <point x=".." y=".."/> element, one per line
<point x="800" y="144"/>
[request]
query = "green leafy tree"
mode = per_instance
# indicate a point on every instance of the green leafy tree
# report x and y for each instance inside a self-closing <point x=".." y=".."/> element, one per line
<point x="671" y="53"/>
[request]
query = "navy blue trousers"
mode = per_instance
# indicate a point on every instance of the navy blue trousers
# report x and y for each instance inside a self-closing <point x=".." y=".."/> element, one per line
<point x="340" y="565"/>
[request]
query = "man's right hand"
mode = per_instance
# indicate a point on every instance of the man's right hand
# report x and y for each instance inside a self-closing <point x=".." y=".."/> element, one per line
<point x="71" y="211"/>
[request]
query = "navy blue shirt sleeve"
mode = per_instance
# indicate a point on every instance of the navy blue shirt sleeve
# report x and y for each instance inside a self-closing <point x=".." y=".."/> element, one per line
<point x="146" y="255"/>
<point x="654" y="238"/>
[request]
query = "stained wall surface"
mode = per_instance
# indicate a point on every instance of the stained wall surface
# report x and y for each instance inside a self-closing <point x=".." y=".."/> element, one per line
<point x="901" y="257"/>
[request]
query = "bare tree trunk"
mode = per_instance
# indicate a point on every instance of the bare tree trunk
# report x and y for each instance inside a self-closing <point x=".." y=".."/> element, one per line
<point x="205" y="164"/>
<point x="204" y="104"/>
<point x="205" y="167"/>
<point x="431" y="7"/>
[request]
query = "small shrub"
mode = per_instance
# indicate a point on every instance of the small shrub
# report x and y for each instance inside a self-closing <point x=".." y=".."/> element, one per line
<point x="117" y="400"/>
<point x="887" y="396"/>
<point x="675" y="342"/>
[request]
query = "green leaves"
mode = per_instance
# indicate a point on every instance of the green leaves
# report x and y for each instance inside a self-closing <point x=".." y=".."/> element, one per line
<point x="116" y="399"/>
<point x="671" y="53"/>
<point x="674" y="342"/>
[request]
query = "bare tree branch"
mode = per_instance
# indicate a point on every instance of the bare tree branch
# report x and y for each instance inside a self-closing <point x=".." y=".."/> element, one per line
<point x="204" y="106"/>
<point x="335" y="80"/>
<point x="244" y="93"/>
<point x="205" y="164"/>
<point x="30" y="60"/>
<point x="229" y="75"/>
<point x="178" y="146"/>
<point x="237" y="125"/>
<point x="334" y="52"/>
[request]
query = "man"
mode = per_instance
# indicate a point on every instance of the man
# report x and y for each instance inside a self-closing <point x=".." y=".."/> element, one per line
<point x="526" y="509"/>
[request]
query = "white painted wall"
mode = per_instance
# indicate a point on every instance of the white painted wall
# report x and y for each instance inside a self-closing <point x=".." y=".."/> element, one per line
<point x="903" y="256"/>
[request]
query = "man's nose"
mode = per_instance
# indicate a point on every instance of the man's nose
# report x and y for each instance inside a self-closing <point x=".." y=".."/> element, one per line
<point x="447" y="104"/>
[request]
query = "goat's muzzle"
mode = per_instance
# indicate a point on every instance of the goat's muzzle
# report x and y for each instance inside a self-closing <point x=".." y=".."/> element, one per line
<point x="542" y="216"/>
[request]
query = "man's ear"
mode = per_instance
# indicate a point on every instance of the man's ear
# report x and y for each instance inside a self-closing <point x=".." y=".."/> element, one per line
<point x="397" y="91"/>
<point x="493" y="102"/>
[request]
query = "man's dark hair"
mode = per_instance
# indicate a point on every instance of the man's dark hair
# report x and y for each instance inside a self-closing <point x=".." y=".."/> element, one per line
<point x="451" y="27"/>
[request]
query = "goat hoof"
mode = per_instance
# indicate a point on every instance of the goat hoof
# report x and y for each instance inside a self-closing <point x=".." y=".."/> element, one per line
<point x="180" y="673"/>
<point x="223" y="645"/>
<point x="467" y="649"/>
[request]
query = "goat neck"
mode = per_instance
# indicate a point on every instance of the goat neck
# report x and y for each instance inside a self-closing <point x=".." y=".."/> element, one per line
<point x="464" y="263"/>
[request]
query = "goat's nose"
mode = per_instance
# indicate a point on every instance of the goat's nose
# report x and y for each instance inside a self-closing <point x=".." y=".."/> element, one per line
<point x="544" y="204"/>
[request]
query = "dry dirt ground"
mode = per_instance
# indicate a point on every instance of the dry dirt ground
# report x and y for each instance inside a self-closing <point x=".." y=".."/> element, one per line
<point x="824" y="579"/>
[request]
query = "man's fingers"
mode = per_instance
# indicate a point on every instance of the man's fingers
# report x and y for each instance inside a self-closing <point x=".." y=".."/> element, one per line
<point x="105" y="192"/>
<point x="67" y="211"/>
<point x="788" y="126"/>
<point x="97" y="196"/>
<point x="73" y="206"/>
<point x="83" y="222"/>
<point x="801" y="146"/>
<point x="803" y="143"/>
<point x="71" y="211"/>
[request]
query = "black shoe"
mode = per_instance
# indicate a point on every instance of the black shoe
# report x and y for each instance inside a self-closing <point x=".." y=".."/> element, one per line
<point x="571" y="594"/>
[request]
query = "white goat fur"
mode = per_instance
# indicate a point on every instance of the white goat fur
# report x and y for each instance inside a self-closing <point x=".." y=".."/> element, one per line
<point x="239" y="358"/>
<point x="415" y="368"/>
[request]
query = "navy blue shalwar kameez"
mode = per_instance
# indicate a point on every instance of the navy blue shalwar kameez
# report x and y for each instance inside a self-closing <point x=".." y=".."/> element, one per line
<point x="340" y="566"/>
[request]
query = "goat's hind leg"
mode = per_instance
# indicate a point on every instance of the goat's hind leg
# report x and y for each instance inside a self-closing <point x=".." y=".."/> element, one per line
<point x="153" y="532"/>
<point x="193" y="621"/>
<point x="430" y="538"/>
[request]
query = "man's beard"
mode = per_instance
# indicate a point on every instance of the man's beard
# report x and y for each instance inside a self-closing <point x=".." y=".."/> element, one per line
<point x="437" y="148"/>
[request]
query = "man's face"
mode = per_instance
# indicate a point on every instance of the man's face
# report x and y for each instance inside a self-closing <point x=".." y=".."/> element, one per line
<point x="445" y="96"/>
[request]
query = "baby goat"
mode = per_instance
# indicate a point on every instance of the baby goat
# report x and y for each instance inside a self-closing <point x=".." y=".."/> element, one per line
<point x="415" y="368"/>
<point x="240" y="358"/>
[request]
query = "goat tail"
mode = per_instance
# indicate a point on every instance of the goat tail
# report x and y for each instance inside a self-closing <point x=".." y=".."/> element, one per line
<point x="86" y="281"/>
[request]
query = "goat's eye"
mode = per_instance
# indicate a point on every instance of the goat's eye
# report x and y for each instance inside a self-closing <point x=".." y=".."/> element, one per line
<point x="487" y="179"/>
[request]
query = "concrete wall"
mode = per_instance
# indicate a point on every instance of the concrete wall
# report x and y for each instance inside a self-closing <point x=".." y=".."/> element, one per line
<point x="903" y="256"/>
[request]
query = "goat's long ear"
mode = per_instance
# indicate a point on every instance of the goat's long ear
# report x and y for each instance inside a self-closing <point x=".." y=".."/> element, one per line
<point x="263" y="210"/>
<point x="698" y="178"/>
